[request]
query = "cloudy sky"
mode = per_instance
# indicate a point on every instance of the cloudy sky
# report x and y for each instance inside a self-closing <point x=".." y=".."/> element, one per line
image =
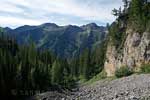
<point x="14" y="13"/>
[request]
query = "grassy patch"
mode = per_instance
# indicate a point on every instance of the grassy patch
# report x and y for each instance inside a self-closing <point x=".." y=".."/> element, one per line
<point x="145" y="68"/>
<point x="82" y="79"/>
<point x="123" y="71"/>
<point x="98" y="77"/>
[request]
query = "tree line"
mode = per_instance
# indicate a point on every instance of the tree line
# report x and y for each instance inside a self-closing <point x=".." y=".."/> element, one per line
<point x="23" y="67"/>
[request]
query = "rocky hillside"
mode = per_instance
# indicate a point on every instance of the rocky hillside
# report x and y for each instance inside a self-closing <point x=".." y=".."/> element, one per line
<point x="135" y="87"/>
<point x="65" y="41"/>
<point x="136" y="52"/>
<point x="129" y="38"/>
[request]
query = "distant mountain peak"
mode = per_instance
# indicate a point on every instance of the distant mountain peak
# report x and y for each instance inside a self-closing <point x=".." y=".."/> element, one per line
<point x="92" y="25"/>
<point x="49" y="25"/>
<point x="64" y="41"/>
<point x="71" y="26"/>
<point x="7" y="28"/>
<point x="24" y="28"/>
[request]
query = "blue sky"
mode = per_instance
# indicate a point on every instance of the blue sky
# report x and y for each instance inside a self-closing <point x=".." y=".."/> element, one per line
<point x="14" y="13"/>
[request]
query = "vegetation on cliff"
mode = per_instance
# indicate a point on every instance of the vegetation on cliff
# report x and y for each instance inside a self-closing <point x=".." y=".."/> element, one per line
<point x="135" y="16"/>
<point x="128" y="38"/>
<point x="26" y="68"/>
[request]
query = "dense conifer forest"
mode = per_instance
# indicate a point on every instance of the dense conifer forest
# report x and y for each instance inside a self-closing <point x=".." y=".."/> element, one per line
<point x="25" y="68"/>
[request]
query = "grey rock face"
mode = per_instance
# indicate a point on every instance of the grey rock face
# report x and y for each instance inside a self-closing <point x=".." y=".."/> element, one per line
<point x="136" y="52"/>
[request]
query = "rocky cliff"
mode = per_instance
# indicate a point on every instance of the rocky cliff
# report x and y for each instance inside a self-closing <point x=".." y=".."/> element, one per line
<point x="129" y="37"/>
<point x="136" y="51"/>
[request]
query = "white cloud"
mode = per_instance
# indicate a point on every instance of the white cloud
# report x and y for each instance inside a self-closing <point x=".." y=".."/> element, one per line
<point x="12" y="21"/>
<point x="9" y="8"/>
<point x="87" y="10"/>
<point x="70" y="7"/>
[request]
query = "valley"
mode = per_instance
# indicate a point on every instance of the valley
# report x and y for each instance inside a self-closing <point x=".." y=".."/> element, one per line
<point x="73" y="62"/>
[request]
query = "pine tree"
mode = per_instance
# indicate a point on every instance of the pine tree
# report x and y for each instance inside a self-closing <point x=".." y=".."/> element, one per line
<point x="136" y="14"/>
<point x="85" y="64"/>
<point x="115" y="12"/>
<point x="57" y="74"/>
<point x="126" y="4"/>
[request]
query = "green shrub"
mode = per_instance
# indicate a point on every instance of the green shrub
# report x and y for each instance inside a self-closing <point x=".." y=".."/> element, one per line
<point x="100" y="76"/>
<point x="145" y="68"/>
<point x="123" y="71"/>
<point x="148" y="24"/>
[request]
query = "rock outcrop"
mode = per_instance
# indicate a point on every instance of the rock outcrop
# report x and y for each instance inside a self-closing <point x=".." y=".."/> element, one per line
<point x="136" y="51"/>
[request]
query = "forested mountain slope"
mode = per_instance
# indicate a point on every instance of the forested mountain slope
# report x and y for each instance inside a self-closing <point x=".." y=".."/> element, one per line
<point x="65" y="41"/>
<point x="25" y="69"/>
<point x="79" y="54"/>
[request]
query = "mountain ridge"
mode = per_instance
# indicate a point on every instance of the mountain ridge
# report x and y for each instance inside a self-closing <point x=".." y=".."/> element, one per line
<point x="62" y="40"/>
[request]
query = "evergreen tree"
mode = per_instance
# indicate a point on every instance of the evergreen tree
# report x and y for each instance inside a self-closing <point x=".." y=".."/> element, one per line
<point x="57" y="74"/>
<point x="126" y="4"/>
<point x="136" y="14"/>
<point x="98" y="58"/>
<point x="85" y="64"/>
